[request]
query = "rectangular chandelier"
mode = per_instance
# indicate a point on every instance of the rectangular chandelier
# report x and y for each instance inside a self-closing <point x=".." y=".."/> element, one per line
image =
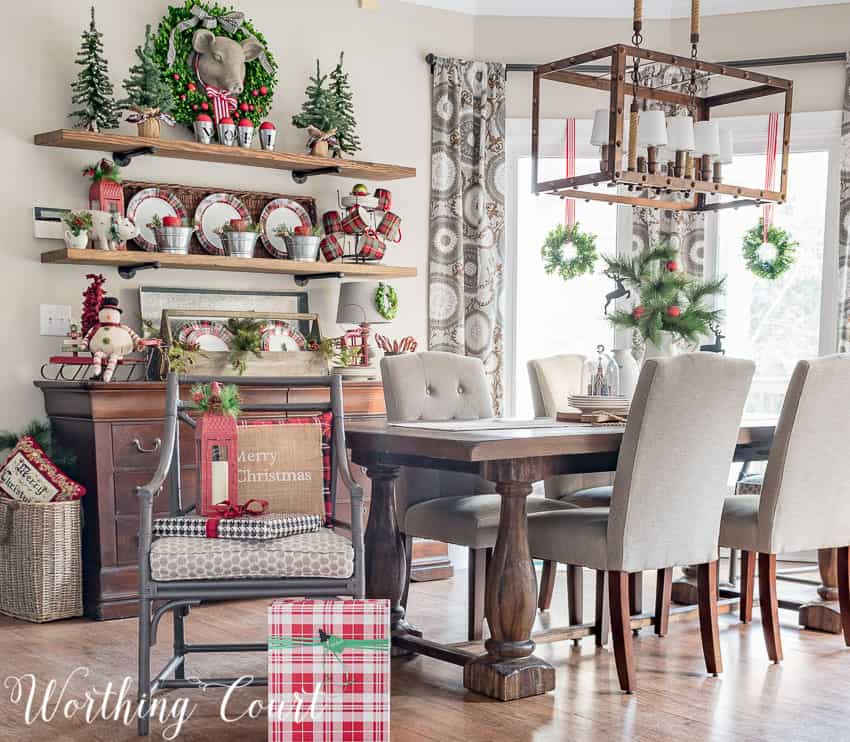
<point x="696" y="148"/>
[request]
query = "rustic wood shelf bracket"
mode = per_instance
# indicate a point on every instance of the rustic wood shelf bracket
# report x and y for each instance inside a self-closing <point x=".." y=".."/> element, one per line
<point x="300" y="176"/>
<point x="129" y="271"/>
<point x="122" y="159"/>
<point x="303" y="280"/>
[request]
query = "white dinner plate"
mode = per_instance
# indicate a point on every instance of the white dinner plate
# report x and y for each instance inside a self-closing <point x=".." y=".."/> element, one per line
<point x="214" y="212"/>
<point x="277" y="213"/>
<point x="145" y="205"/>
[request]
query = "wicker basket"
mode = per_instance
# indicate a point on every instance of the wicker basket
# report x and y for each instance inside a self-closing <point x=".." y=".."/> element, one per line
<point x="40" y="560"/>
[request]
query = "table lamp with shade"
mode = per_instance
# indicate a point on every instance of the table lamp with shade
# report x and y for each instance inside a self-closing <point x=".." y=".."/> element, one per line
<point x="357" y="307"/>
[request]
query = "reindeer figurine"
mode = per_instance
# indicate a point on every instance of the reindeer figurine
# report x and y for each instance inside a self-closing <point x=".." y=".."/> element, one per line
<point x="717" y="345"/>
<point x="618" y="293"/>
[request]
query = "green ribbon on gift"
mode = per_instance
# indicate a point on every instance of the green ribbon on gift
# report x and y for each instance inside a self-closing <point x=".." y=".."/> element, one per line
<point x="336" y="645"/>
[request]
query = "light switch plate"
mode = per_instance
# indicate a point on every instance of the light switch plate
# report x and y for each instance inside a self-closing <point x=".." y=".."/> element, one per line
<point x="55" y="319"/>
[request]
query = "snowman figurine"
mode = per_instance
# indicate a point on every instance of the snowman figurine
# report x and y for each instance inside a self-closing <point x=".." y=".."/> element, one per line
<point x="109" y="340"/>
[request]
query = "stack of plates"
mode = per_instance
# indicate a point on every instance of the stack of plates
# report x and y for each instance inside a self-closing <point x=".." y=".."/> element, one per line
<point x="591" y="403"/>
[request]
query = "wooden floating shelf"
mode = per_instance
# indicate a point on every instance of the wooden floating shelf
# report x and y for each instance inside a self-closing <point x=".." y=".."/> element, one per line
<point x="303" y="163"/>
<point x="130" y="258"/>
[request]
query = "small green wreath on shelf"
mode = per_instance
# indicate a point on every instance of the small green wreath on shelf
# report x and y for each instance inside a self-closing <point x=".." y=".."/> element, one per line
<point x="386" y="300"/>
<point x="553" y="252"/>
<point x="772" y="258"/>
<point x="176" y="30"/>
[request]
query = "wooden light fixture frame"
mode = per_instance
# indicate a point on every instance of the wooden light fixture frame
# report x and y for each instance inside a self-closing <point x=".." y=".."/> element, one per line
<point x="619" y="87"/>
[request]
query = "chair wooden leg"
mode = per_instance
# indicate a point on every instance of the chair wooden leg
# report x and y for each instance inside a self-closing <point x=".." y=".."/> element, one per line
<point x="547" y="584"/>
<point x="575" y="594"/>
<point x="709" y="630"/>
<point x="748" y="584"/>
<point x="601" y="619"/>
<point x="844" y="590"/>
<point x="663" y="592"/>
<point x="618" y="585"/>
<point x="769" y="606"/>
<point x="477" y="582"/>
<point x="636" y="593"/>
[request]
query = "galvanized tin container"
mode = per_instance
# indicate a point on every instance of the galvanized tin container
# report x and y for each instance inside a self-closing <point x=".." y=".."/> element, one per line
<point x="239" y="244"/>
<point x="173" y="240"/>
<point x="303" y="247"/>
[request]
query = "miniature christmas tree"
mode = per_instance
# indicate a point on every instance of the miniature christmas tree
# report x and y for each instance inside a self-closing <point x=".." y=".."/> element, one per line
<point x="146" y="88"/>
<point x="346" y="124"/>
<point x="320" y="108"/>
<point x="92" y="299"/>
<point x="670" y="300"/>
<point x="92" y="90"/>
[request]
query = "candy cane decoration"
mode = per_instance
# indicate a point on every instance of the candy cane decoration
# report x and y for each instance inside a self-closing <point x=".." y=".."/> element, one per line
<point x="770" y="168"/>
<point x="570" y="157"/>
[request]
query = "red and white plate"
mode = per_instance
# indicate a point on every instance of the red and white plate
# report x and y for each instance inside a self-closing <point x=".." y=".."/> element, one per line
<point x="214" y="212"/>
<point x="206" y="334"/>
<point x="277" y="213"/>
<point x="279" y="335"/>
<point x="145" y="205"/>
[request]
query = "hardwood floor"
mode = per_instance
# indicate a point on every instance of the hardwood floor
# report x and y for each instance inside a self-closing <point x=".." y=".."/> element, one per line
<point x="804" y="698"/>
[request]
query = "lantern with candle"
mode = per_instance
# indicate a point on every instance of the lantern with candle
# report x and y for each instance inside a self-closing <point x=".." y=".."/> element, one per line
<point x="216" y="438"/>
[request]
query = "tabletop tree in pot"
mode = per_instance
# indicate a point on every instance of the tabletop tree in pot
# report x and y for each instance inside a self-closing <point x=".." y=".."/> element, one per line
<point x="670" y="304"/>
<point x="149" y="96"/>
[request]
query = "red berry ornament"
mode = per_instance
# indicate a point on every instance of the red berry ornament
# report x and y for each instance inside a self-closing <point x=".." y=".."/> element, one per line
<point x="672" y="266"/>
<point x="205" y="106"/>
<point x="243" y="107"/>
<point x="183" y="96"/>
<point x="192" y="87"/>
<point x="264" y="90"/>
<point x="255" y="92"/>
<point x="195" y="106"/>
<point x="674" y="311"/>
<point x="638" y="312"/>
<point x="176" y="76"/>
<point x="250" y="108"/>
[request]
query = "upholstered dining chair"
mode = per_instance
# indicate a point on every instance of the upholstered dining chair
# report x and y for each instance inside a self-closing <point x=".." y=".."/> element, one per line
<point x="668" y="495"/>
<point x="453" y="507"/>
<point x="805" y="494"/>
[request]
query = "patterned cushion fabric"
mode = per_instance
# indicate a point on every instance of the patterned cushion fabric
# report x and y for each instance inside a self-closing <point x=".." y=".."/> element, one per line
<point x="320" y="554"/>
<point x="750" y="484"/>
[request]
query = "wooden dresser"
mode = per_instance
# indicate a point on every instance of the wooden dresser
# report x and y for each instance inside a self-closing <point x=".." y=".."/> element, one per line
<point x="115" y="430"/>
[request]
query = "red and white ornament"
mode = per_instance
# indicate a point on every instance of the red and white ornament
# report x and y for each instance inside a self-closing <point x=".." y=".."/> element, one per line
<point x="245" y="134"/>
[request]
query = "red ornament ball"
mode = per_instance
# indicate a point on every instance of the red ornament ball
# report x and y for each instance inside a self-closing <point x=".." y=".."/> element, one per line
<point x="673" y="311"/>
<point x="195" y="106"/>
<point x="205" y="106"/>
<point x="243" y="107"/>
<point x="176" y="76"/>
<point x="264" y="90"/>
<point x="183" y="96"/>
<point x="250" y="108"/>
<point x="638" y="312"/>
<point x="255" y="92"/>
<point x="672" y="266"/>
<point x="192" y="87"/>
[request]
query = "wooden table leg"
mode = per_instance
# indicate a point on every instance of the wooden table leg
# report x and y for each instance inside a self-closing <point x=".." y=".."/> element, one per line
<point x="824" y="615"/>
<point x="509" y="670"/>
<point x="386" y="558"/>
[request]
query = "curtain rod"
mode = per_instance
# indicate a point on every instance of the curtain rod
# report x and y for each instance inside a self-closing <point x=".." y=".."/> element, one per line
<point x="763" y="62"/>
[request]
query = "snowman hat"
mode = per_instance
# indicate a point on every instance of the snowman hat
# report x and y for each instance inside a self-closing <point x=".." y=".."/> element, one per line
<point x="110" y="302"/>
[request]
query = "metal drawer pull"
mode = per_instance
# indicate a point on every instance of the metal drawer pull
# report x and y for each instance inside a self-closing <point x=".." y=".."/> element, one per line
<point x="153" y="449"/>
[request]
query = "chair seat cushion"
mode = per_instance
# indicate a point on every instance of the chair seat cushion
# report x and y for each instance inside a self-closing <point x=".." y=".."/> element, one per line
<point x="578" y="536"/>
<point x="592" y="497"/>
<point x="750" y="484"/>
<point x="739" y="524"/>
<point x="470" y="521"/>
<point x="323" y="553"/>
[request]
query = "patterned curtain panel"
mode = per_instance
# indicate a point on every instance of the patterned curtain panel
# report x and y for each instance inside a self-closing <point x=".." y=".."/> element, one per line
<point x="684" y="230"/>
<point x="844" y="226"/>
<point x="467" y="253"/>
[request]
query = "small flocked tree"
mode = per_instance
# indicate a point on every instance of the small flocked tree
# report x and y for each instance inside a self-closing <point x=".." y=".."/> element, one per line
<point x="92" y="90"/>
<point x="146" y="88"/>
<point x="670" y="300"/>
<point x="320" y="109"/>
<point x="346" y="124"/>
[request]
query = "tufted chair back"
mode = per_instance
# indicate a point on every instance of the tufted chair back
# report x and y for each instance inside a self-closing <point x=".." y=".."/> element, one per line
<point x="434" y="386"/>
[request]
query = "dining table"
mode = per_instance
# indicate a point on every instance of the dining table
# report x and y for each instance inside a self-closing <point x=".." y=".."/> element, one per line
<point x="513" y="455"/>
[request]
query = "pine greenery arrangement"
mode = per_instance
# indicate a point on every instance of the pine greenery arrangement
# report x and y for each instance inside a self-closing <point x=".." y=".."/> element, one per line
<point x="670" y="300"/>
<point x="216" y="399"/>
<point x="42" y="432"/>
<point x="146" y="88"/>
<point x="92" y="90"/>
<point x="319" y="109"/>
<point x="247" y="338"/>
<point x="346" y="124"/>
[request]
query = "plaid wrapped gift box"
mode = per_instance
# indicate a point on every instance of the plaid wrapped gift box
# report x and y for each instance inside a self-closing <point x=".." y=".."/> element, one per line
<point x="255" y="528"/>
<point x="329" y="671"/>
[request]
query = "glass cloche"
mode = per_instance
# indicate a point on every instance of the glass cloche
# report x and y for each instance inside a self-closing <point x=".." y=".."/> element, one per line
<point x="600" y="375"/>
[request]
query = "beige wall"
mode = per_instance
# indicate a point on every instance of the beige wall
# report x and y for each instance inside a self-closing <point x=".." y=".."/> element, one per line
<point x="384" y="53"/>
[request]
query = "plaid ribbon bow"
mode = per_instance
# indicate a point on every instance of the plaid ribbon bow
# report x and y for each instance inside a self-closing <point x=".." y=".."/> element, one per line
<point x="228" y="511"/>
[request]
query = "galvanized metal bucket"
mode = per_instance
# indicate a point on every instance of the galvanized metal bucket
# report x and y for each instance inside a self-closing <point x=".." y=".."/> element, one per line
<point x="303" y="247"/>
<point x="239" y="244"/>
<point x="173" y="240"/>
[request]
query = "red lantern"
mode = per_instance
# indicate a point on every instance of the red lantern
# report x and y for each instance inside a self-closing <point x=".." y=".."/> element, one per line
<point x="216" y="439"/>
<point x="106" y="195"/>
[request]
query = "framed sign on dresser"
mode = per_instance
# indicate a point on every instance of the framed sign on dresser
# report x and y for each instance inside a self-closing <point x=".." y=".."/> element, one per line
<point x="115" y="431"/>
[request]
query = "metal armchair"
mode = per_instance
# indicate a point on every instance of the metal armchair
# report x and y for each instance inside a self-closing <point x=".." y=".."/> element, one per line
<point x="158" y="597"/>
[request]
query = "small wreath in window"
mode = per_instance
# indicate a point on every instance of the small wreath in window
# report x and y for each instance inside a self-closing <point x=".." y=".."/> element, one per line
<point x="386" y="300"/>
<point x="569" y="252"/>
<point x="772" y="257"/>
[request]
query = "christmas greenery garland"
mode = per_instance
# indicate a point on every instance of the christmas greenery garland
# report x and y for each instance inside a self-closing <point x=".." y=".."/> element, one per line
<point x="386" y="300"/>
<point x="784" y="244"/>
<point x="189" y="97"/>
<point x="554" y="260"/>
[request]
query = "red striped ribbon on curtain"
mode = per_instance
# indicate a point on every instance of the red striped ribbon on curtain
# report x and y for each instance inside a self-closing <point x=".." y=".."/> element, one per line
<point x="570" y="157"/>
<point x="770" y="167"/>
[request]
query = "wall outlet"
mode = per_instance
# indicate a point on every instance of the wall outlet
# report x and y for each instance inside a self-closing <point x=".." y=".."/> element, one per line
<point x="55" y="319"/>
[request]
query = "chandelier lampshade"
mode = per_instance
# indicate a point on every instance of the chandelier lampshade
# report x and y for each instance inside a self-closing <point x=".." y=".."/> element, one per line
<point x="706" y="138"/>
<point x="601" y="124"/>
<point x="652" y="129"/>
<point x="727" y="147"/>
<point x="680" y="133"/>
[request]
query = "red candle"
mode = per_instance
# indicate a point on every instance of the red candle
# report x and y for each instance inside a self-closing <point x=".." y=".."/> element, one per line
<point x="171" y="221"/>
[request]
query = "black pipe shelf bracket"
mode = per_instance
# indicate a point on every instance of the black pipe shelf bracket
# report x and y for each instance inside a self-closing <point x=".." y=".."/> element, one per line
<point x="300" y="176"/>
<point x="129" y="271"/>
<point x="123" y="159"/>
<point x="304" y="279"/>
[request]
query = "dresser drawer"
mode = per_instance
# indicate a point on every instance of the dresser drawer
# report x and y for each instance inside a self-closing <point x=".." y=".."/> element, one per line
<point x="138" y="445"/>
<point x="127" y="502"/>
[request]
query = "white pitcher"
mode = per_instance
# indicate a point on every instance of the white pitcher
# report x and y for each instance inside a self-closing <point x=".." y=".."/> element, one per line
<point x="629" y="371"/>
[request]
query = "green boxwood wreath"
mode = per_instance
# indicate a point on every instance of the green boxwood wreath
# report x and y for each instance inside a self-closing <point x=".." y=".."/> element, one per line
<point x="785" y="246"/>
<point x="552" y="252"/>
<point x="386" y="300"/>
<point x="180" y="75"/>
